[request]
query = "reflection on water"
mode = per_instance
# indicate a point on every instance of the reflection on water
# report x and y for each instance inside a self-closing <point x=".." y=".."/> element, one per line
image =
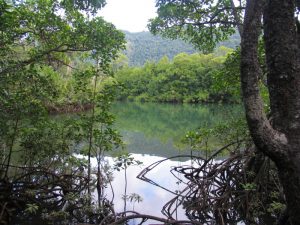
<point x="153" y="197"/>
<point x="153" y="132"/>
<point x="157" y="129"/>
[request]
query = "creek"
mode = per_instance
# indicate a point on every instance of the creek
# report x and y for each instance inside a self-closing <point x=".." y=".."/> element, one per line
<point x="154" y="132"/>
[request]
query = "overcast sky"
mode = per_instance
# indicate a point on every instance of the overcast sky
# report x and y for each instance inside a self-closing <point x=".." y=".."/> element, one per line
<point x="130" y="15"/>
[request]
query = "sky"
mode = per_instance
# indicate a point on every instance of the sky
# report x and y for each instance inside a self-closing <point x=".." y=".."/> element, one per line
<point x="129" y="15"/>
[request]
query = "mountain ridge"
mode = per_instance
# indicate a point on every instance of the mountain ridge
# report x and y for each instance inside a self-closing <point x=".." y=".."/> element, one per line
<point x="144" y="46"/>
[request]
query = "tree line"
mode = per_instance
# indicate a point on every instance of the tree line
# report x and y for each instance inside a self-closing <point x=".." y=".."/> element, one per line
<point x="144" y="46"/>
<point x="188" y="78"/>
<point x="275" y="131"/>
<point x="40" y="176"/>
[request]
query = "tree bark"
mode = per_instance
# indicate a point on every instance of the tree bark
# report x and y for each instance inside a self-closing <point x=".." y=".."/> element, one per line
<point x="281" y="56"/>
<point x="284" y="89"/>
<point x="278" y="138"/>
<point x="266" y="138"/>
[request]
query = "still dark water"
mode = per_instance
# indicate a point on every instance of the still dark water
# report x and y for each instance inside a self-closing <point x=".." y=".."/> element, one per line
<point x="158" y="129"/>
<point x="153" y="132"/>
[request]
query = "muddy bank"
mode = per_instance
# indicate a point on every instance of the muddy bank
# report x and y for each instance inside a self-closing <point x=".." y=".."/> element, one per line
<point x="72" y="107"/>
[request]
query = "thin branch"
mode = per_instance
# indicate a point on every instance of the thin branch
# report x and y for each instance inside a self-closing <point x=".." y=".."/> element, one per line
<point x="146" y="217"/>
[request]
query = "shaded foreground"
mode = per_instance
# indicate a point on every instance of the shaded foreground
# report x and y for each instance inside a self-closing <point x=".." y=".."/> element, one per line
<point x="227" y="191"/>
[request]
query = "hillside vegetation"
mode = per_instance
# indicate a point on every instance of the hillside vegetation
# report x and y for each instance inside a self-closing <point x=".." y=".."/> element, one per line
<point x="144" y="46"/>
<point x="190" y="78"/>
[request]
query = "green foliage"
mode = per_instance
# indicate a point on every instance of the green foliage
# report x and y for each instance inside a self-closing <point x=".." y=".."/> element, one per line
<point x="223" y="132"/>
<point x="38" y="41"/>
<point x="202" y="23"/>
<point x="45" y="33"/>
<point x="86" y="5"/>
<point x="31" y="208"/>
<point x="98" y="127"/>
<point x="199" y="139"/>
<point x="56" y="139"/>
<point x="276" y="208"/>
<point x="143" y="46"/>
<point x="249" y="187"/>
<point x="187" y="78"/>
<point x="123" y="161"/>
<point x="151" y="127"/>
<point x="53" y="53"/>
<point x="135" y="198"/>
<point x="227" y="79"/>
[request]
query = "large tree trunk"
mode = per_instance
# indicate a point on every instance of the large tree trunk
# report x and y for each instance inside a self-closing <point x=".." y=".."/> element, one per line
<point x="278" y="138"/>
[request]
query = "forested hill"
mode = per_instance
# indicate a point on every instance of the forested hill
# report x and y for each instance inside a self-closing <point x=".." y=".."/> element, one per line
<point x="143" y="46"/>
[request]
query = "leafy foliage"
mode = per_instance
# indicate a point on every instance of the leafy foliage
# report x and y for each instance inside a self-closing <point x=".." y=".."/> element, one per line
<point x="143" y="46"/>
<point x="52" y="54"/>
<point x="188" y="78"/>
<point x="202" y="23"/>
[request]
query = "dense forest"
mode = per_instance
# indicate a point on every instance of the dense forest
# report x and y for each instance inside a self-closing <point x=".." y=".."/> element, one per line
<point x="274" y="124"/>
<point x="144" y="46"/>
<point x="54" y="62"/>
<point x="58" y="56"/>
<point x="189" y="78"/>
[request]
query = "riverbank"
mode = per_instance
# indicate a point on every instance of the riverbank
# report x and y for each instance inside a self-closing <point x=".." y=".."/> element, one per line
<point x="71" y="107"/>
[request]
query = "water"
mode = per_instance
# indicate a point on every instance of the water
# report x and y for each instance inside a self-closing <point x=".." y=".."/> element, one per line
<point x="158" y="129"/>
<point x="153" y="132"/>
<point x="153" y="197"/>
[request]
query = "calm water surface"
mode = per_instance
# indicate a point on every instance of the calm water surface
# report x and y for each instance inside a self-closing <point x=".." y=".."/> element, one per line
<point x="158" y="129"/>
<point x="153" y="132"/>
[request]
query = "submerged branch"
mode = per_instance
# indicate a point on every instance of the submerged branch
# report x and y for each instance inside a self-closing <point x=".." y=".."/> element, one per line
<point x="231" y="190"/>
<point x="145" y="217"/>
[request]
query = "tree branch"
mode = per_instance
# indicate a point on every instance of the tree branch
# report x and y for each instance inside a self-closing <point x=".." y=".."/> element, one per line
<point x="136" y="215"/>
<point x="236" y="17"/>
<point x="60" y="48"/>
